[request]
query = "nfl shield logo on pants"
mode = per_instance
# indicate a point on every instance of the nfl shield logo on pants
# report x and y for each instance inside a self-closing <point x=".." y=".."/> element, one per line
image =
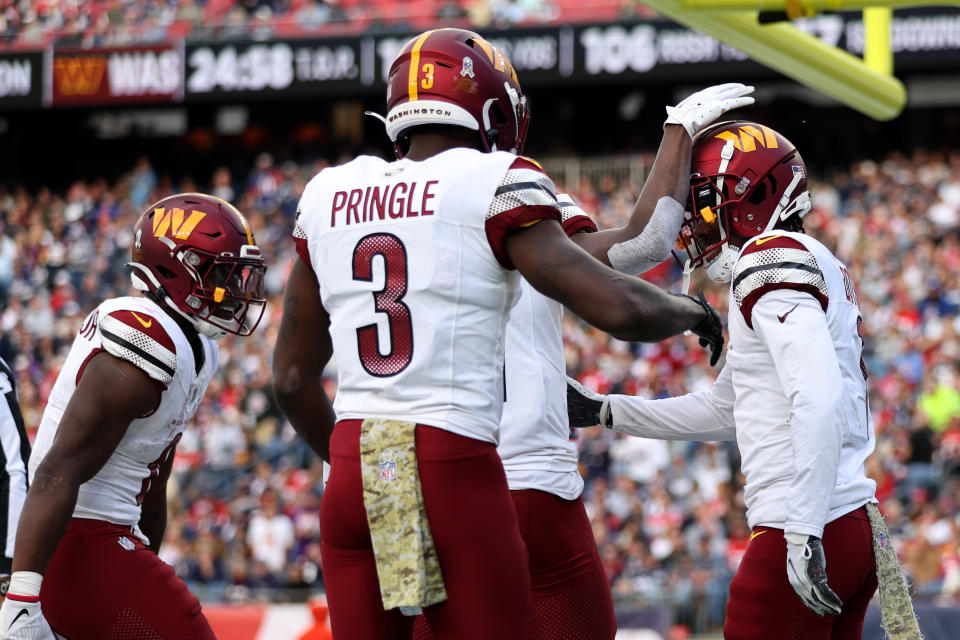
<point x="388" y="470"/>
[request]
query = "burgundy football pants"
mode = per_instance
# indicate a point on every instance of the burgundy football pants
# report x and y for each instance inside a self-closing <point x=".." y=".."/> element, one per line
<point x="103" y="583"/>
<point x="474" y="528"/>
<point x="763" y="605"/>
<point x="570" y="592"/>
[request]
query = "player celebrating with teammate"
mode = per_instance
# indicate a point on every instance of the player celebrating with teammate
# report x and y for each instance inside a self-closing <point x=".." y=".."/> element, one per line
<point x="793" y="393"/>
<point x="407" y="274"/>
<point x="570" y="592"/>
<point x="94" y="517"/>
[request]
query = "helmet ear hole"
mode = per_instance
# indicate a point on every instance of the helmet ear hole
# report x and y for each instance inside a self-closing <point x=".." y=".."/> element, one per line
<point x="166" y="273"/>
<point x="759" y="194"/>
<point x="497" y="115"/>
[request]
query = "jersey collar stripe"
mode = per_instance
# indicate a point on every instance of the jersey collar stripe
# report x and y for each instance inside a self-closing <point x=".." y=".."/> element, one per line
<point x="137" y="350"/>
<point x="775" y="265"/>
<point x="415" y="65"/>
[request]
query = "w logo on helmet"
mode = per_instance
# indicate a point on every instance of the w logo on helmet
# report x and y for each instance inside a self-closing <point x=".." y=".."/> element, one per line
<point x="750" y="136"/>
<point x="173" y="221"/>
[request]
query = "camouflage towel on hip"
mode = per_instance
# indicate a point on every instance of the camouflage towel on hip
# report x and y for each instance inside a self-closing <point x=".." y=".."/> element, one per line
<point x="407" y="564"/>
<point x="896" y="609"/>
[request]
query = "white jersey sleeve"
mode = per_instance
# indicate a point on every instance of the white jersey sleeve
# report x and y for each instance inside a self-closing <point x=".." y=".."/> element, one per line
<point x="139" y="338"/>
<point x="702" y="416"/>
<point x="809" y="373"/>
<point x="525" y="195"/>
<point x="574" y="218"/>
<point x="773" y="262"/>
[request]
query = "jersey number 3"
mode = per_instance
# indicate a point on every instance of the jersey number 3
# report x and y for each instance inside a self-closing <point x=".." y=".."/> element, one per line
<point x="388" y="300"/>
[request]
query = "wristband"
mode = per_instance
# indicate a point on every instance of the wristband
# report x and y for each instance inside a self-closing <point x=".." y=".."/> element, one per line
<point x="25" y="584"/>
<point x="645" y="251"/>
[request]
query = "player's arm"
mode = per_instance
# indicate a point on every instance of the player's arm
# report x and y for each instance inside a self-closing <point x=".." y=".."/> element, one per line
<point x="803" y="354"/>
<point x="645" y="241"/>
<point x="153" y="511"/>
<point x="303" y="349"/>
<point x="627" y="308"/>
<point x="111" y="394"/>
<point x="702" y="416"/>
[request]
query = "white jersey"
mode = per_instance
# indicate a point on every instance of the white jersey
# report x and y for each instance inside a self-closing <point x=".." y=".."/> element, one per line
<point x="535" y="444"/>
<point x="138" y="330"/>
<point x="793" y="391"/>
<point x="414" y="275"/>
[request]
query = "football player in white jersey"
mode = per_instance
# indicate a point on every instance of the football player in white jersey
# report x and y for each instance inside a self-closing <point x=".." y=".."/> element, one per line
<point x="408" y="271"/>
<point x="85" y="565"/>
<point x="570" y="592"/>
<point x="793" y="392"/>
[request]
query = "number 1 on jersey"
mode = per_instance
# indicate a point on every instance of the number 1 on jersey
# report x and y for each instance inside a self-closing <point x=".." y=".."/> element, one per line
<point x="388" y="300"/>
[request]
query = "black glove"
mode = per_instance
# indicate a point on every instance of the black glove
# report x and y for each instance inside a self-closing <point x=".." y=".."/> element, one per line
<point x="710" y="329"/>
<point x="585" y="406"/>
<point x="807" y="572"/>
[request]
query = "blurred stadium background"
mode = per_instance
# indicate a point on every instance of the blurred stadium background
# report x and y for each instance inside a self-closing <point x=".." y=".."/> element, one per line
<point x="106" y="106"/>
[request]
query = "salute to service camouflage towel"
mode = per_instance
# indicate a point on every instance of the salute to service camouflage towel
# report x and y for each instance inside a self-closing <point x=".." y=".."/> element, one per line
<point x="896" y="610"/>
<point x="407" y="564"/>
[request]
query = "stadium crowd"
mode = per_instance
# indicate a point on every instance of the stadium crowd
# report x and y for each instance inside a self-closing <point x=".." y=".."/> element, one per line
<point x="668" y="517"/>
<point x="87" y="23"/>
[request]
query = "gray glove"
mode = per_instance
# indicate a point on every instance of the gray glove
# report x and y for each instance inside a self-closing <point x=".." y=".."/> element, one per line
<point x="586" y="407"/>
<point x="807" y="572"/>
<point x="703" y="107"/>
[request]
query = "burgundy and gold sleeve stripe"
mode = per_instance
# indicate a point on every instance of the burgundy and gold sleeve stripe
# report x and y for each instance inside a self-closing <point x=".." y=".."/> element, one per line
<point x="140" y="339"/>
<point x="776" y="262"/>
<point x="525" y="195"/>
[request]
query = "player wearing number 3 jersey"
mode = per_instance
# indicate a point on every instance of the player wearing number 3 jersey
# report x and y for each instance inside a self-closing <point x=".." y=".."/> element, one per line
<point x="407" y="274"/>
<point x="85" y="564"/>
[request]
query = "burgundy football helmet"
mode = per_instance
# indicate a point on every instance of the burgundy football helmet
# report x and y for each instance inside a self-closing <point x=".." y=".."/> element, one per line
<point x="455" y="77"/>
<point x="196" y="253"/>
<point x="745" y="179"/>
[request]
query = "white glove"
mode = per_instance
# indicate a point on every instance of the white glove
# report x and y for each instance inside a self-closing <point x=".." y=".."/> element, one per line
<point x="24" y="621"/>
<point x="807" y="572"/>
<point x="20" y="615"/>
<point x="703" y="107"/>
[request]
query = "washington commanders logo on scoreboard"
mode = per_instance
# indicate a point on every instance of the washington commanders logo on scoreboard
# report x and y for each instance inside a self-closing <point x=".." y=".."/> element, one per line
<point x="141" y="73"/>
<point x="749" y="137"/>
<point x="79" y="76"/>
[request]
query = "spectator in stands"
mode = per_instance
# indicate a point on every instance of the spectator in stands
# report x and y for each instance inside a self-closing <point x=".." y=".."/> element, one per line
<point x="271" y="535"/>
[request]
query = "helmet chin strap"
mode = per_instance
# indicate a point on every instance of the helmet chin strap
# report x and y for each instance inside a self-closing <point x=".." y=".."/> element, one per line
<point x="687" y="272"/>
<point x="724" y="257"/>
<point x="786" y="207"/>
<point x="487" y="125"/>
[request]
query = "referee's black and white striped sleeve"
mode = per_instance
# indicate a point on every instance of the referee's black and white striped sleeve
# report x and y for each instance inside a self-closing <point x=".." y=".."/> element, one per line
<point x="15" y="452"/>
